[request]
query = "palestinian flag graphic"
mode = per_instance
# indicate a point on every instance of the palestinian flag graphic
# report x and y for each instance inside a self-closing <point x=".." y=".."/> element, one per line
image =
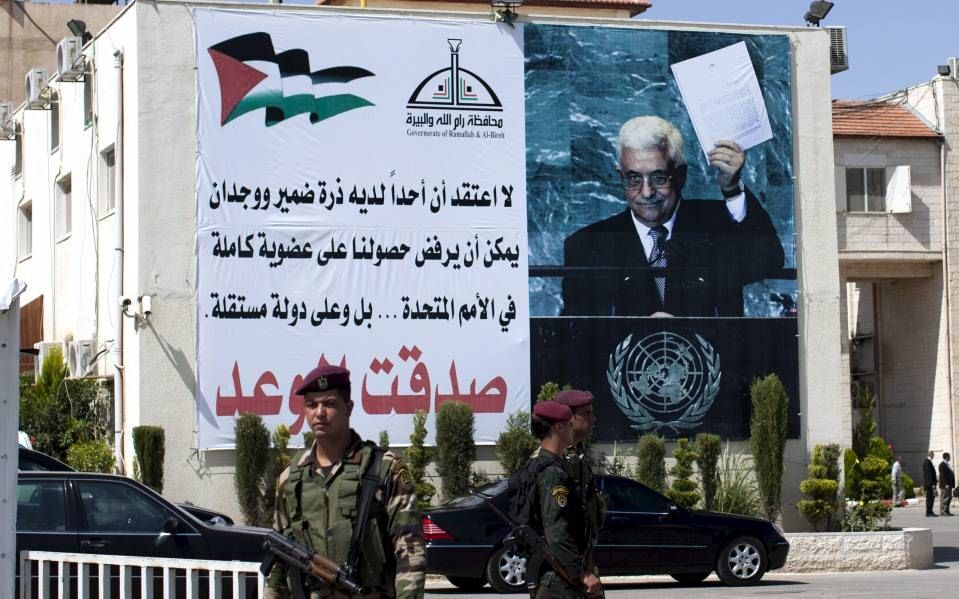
<point x="253" y="76"/>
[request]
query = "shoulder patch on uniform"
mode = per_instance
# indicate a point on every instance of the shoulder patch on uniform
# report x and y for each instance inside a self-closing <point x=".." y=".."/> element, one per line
<point x="405" y="479"/>
<point x="560" y="495"/>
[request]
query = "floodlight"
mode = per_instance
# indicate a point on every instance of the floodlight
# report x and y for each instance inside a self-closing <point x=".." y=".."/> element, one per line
<point x="818" y="9"/>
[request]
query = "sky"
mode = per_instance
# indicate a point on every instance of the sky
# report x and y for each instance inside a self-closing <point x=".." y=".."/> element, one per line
<point x="892" y="45"/>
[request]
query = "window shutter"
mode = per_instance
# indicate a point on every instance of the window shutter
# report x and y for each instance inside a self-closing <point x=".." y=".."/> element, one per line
<point x="898" y="189"/>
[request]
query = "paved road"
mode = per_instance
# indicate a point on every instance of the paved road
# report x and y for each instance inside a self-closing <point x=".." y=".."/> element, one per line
<point x="941" y="581"/>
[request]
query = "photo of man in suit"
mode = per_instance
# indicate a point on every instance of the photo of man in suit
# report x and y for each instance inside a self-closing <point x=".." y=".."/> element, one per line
<point x="666" y="255"/>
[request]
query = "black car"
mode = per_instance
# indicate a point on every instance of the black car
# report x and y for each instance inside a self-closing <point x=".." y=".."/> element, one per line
<point x="30" y="460"/>
<point x="644" y="533"/>
<point x="34" y="461"/>
<point x="81" y="512"/>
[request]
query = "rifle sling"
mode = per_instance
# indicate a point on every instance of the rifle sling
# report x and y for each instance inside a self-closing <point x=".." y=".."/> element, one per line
<point x="371" y="478"/>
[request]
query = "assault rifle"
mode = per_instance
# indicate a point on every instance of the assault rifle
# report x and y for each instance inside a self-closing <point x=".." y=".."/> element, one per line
<point x="302" y="560"/>
<point x="525" y="538"/>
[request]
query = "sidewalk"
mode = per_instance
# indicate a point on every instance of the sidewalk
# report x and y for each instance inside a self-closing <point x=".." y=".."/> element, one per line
<point x="945" y="530"/>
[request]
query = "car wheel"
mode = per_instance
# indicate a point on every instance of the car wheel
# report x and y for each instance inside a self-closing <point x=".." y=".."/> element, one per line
<point x="506" y="571"/>
<point x="465" y="583"/>
<point x="742" y="562"/>
<point x="690" y="577"/>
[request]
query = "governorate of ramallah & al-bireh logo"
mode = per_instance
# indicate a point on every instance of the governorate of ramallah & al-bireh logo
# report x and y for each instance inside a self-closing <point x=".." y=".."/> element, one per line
<point x="454" y="102"/>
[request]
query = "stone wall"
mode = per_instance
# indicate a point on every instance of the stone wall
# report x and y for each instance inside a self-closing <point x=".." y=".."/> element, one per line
<point x="907" y="549"/>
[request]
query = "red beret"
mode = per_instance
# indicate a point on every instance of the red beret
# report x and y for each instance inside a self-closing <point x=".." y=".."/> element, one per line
<point x="574" y="398"/>
<point x="551" y="411"/>
<point x="323" y="378"/>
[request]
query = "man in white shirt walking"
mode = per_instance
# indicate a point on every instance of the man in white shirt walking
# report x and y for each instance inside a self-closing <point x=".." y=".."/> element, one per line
<point x="898" y="491"/>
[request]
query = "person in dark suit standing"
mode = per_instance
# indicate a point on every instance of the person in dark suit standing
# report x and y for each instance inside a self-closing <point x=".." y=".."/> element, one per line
<point x="929" y="482"/>
<point x="947" y="482"/>
<point x="665" y="255"/>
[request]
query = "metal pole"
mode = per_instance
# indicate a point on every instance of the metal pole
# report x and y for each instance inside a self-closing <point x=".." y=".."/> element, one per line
<point x="9" y="419"/>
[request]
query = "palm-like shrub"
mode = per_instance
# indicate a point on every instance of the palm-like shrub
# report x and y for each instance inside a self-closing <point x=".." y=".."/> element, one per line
<point x="651" y="462"/>
<point x="684" y="490"/>
<point x="821" y="488"/>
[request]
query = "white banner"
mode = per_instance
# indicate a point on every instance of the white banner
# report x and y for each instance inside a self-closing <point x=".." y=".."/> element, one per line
<point x="361" y="200"/>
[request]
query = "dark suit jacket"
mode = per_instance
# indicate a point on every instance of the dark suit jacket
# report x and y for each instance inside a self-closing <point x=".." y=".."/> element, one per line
<point x="947" y="478"/>
<point x="928" y="474"/>
<point x="710" y="258"/>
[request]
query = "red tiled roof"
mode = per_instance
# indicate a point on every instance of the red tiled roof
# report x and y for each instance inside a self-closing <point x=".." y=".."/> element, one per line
<point x="877" y="119"/>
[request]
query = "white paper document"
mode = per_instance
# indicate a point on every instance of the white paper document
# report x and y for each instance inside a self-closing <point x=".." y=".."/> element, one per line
<point x="723" y="98"/>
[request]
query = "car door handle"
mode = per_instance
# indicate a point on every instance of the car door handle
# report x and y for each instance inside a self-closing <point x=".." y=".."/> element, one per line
<point x="94" y="543"/>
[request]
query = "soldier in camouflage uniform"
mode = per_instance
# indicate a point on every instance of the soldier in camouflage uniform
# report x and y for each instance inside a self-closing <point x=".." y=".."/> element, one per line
<point x="579" y="467"/>
<point x="317" y="497"/>
<point x="557" y="506"/>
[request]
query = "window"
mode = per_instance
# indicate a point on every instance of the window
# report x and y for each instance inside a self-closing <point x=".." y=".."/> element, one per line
<point x="25" y="230"/>
<point x="866" y="189"/>
<point x="625" y="496"/>
<point x="64" y="207"/>
<point x="873" y="189"/>
<point x="54" y="123"/>
<point x="108" y="180"/>
<point x="18" y="154"/>
<point x="120" y="508"/>
<point x="88" y="98"/>
<point x="41" y="506"/>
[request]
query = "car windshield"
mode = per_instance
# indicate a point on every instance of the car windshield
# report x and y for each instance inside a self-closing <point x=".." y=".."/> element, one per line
<point x="494" y="488"/>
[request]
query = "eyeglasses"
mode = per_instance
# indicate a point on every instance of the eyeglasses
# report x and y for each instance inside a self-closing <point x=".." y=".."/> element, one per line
<point x="657" y="180"/>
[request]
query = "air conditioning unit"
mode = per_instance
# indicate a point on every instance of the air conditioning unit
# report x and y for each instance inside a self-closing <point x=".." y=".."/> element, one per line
<point x="80" y="357"/>
<point x="7" y="128"/>
<point x="34" y="85"/>
<point x="838" y="50"/>
<point x="70" y="63"/>
<point x="43" y="349"/>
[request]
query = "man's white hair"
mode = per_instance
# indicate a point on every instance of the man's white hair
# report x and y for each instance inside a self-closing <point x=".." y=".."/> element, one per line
<point x="651" y="133"/>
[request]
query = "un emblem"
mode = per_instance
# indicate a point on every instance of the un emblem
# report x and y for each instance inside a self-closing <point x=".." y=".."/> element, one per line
<point x="664" y="381"/>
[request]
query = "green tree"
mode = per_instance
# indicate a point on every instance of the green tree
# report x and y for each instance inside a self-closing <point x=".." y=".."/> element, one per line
<point x="276" y="463"/>
<point x="769" y="427"/>
<point x="61" y="412"/>
<point x="252" y="454"/>
<point x="384" y="439"/>
<point x="91" y="456"/>
<point x="684" y="490"/>
<point x="515" y="444"/>
<point x="651" y="462"/>
<point x="419" y="457"/>
<point x="853" y="485"/>
<point x="865" y="429"/>
<point x="455" y="448"/>
<point x="149" y="445"/>
<point x="549" y="390"/>
<point x="708" y="449"/>
<point x="821" y="488"/>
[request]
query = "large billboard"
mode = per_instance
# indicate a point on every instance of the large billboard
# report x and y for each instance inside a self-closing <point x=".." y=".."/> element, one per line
<point x="423" y="201"/>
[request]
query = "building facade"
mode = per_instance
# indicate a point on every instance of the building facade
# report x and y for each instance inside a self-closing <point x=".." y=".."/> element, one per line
<point x="101" y="206"/>
<point x="895" y="205"/>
